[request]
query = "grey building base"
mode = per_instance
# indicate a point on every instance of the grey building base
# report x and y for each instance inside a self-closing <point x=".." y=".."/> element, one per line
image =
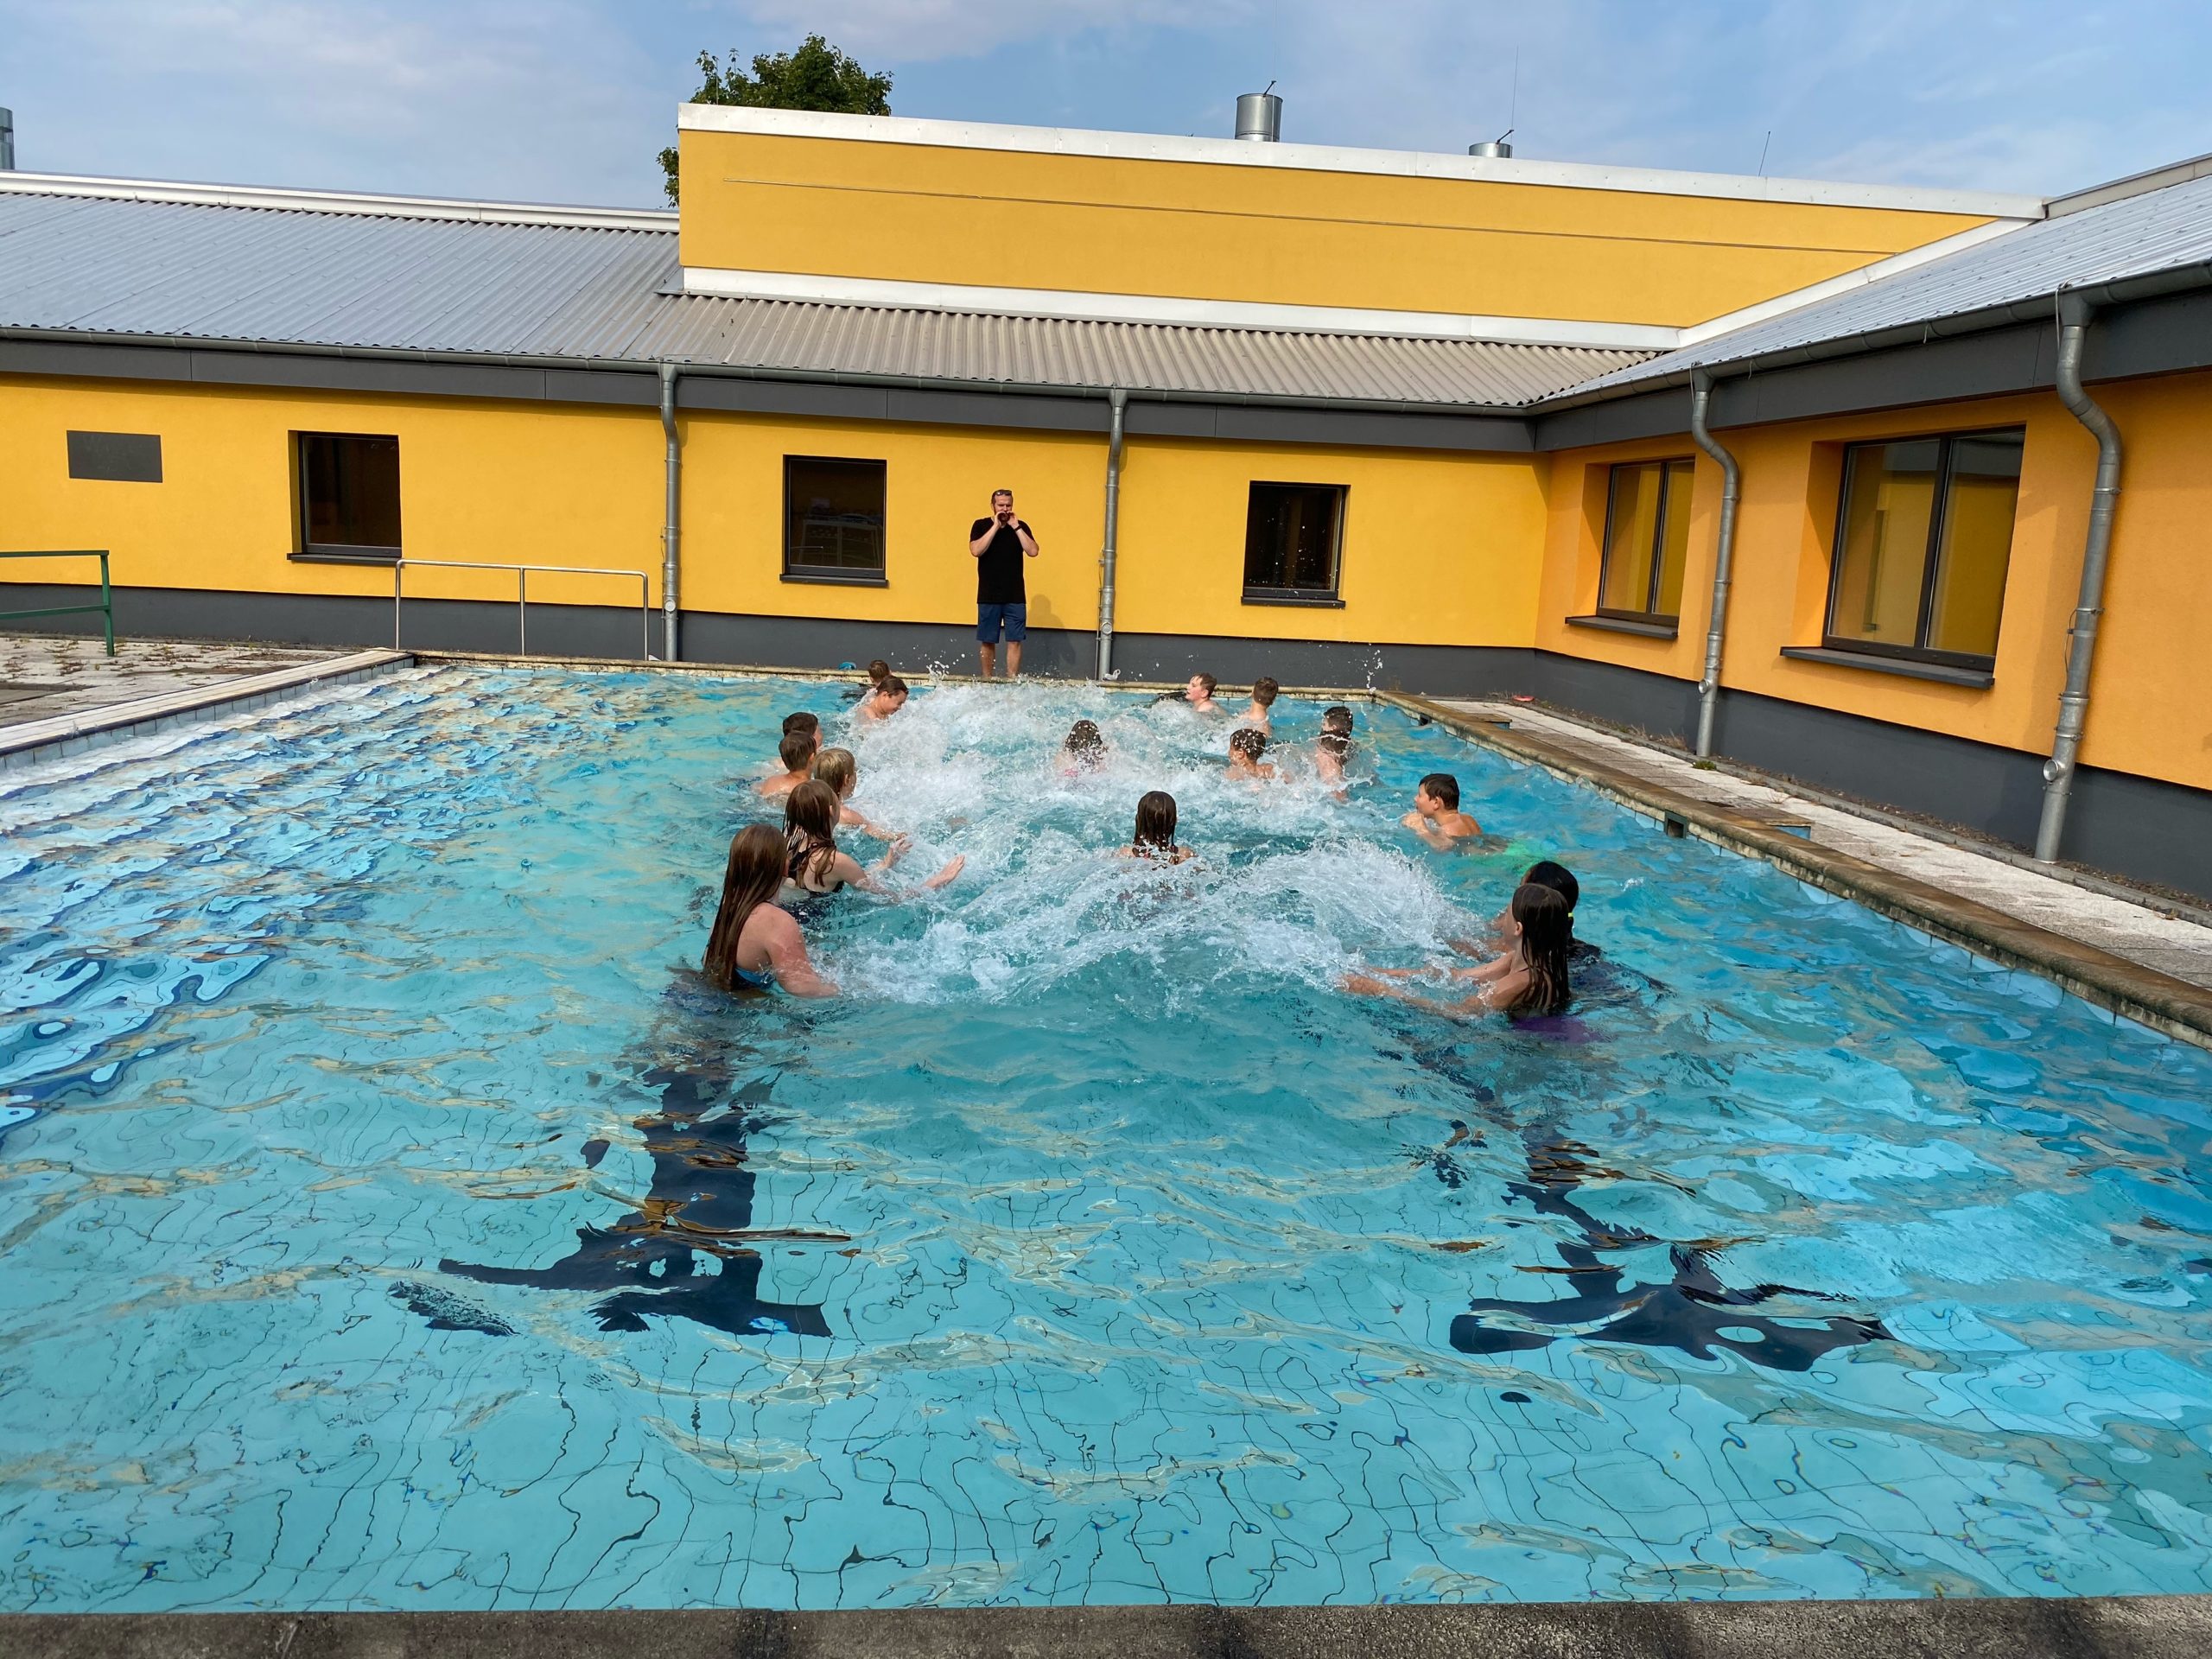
<point x="2137" y="828"/>
<point x="2137" y="1627"/>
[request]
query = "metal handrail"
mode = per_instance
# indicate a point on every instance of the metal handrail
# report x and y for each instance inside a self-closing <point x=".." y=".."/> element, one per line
<point x="105" y="607"/>
<point x="522" y="595"/>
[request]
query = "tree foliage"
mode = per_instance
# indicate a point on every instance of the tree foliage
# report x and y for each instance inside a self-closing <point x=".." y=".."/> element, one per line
<point x="816" y="77"/>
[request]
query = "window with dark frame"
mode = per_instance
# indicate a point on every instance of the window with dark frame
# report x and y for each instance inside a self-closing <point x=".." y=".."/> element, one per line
<point x="833" y="518"/>
<point x="1647" y="540"/>
<point x="1293" y="539"/>
<point x="1922" y="542"/>
<point x="349" y="494"/>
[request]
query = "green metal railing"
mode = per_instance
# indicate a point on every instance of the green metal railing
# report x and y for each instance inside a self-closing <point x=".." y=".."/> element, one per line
<point x="105" y="607"/>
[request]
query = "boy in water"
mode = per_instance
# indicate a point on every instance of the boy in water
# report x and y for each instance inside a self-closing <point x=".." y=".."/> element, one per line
<point x="1264" y="692"/>
<point x="1246" y="745"/>
<point x="1436" y="818"/>
<point x="886" y="700"/>
<point x="1544" y="873"/>
<point x="796" y="753"/>
<point x="878" y="671"/>
<point x="1333" y="747"/>
<point x="1200" y="694"/>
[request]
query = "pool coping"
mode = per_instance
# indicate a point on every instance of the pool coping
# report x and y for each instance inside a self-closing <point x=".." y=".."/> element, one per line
<point x="2096" y="1627"/>
<point x="61" y="735"/>
<point x="2143" y="995"/>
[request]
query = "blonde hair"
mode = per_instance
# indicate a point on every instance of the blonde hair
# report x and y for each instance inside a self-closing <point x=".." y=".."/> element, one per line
<point x="837" y="768"/>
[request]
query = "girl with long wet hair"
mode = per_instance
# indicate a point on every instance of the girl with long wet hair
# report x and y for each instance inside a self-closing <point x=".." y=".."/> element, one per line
<point x="1528" y="981"/>
<point x="755" y="945"/>
<point x="1154" y="835"/>
<point x="812" y="864"/>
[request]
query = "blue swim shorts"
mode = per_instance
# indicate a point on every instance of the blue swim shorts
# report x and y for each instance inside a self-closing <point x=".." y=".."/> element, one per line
<point x="989" y="617"/>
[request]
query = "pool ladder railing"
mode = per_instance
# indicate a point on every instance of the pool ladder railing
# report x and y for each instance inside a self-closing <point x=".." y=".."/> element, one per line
<point x="399" y="568"/>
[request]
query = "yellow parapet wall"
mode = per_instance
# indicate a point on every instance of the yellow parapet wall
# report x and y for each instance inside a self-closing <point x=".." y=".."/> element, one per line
<point x="767" y="191"/>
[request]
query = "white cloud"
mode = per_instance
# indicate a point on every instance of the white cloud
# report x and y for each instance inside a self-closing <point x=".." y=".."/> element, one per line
<point x="922" y="31"/>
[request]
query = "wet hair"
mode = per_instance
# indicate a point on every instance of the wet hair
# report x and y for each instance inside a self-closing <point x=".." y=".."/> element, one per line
<point x="1547" y="930"/>
<point x="1443" y="787"/>
<point x="810" y="830"/>
<point x="1085" y="743"/>
<point x="836" y="768"/>
<point x="1336" y="718"/>
<point x="1334" y="743"/>
<point x="1560" y="879"/>
<point x="892" y="686"/>
<point x="1250" y="742"/>
<point x="750" y="879"/>
<point x="879" y="671"/>
<point x="795" y="750"/>
<point x="1156" y="830"/>
<point x="1206" y="680"/>
<point x="1265" y="692"/>
<point x="801" y="722"/>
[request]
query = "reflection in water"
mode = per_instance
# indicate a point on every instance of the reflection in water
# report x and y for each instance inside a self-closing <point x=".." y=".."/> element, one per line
<point x="700" y="1202"/>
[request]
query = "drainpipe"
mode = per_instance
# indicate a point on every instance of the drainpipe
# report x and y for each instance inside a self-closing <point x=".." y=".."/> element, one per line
<point x="1731" y="477"/>
<point x="670" y="528"/>
<point x="2074" y="313"/>
<point x="1116" y="401"/>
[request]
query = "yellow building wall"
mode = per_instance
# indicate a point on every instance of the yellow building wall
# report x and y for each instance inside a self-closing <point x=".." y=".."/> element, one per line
<point x="2150" y="713"/>
<point x="541" y="484"/>
<point x="1436" y="548"/>
<point x="924" y="213"/>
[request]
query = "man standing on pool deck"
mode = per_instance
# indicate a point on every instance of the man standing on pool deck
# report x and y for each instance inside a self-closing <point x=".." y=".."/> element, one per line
<point x="998" y="544"/>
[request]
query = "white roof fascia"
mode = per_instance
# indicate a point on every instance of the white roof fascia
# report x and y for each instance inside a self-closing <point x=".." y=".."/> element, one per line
<point x="339" y="201"/>
<point x="1173" y="312"/>
<point x="1323" y="158"/>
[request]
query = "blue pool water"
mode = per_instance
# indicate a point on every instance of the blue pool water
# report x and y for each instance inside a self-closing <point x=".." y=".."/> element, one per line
<point x="388" y="1222"/>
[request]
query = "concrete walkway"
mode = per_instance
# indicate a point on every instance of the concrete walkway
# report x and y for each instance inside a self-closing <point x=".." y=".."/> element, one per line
<point x="44" y="676"/>
<point x="2142" y="934"/>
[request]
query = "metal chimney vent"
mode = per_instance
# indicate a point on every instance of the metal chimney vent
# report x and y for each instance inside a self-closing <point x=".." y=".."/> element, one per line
<point x="7" y="141"/>
<point x="1497" y="147"/>
<point x="1258" y="116"/>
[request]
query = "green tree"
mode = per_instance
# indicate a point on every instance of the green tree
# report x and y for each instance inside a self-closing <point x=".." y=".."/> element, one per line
<point x="816" y="77"/>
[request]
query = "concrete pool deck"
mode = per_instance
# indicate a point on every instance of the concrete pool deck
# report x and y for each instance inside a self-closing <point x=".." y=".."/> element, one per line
<point x="2104" y="1627"/>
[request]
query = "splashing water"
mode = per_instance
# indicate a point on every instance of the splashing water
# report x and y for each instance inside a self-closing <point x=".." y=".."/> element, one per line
<point x="392" y="1220"/>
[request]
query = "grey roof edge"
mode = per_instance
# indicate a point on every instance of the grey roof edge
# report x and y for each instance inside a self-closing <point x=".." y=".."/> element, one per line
<point x="2029" y="308"/>
<point x="2133" y="184"/>
<point x="744" y="371"/>
<point x="365" y="203"/>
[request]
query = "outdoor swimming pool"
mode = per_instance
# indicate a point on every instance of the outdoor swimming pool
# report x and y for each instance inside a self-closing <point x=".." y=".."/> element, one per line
<point x="388" y="1223"/>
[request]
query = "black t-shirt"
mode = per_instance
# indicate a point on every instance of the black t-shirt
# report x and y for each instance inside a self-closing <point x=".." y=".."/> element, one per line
<point x="999" y="579"/>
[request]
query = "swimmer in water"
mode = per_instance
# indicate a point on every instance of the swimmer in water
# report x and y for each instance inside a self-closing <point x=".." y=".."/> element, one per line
<point x="1198" y="693"/>
<point x="756" y="945"/>
<point x="837" y="768"/>
<point x="1264" y="692"/>
<point x="1085" y="750"/>
<point x="797" y="751"/>
<point x="813" y="867"/>
<point x="886" y="700"/>
<point x="1333" y="749"/>
<point x="1544" y="873"/>
<point x="1154" y="837"/>
<point x="1246" y="745"/>
<point x="1436" y="818"/>
<point x="1529" y="979"/>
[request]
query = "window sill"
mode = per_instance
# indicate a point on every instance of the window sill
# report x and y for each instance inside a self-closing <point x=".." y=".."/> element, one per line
<point x="836" y="578"/>
<point x="384" y="556"/>
<point x="1979" y="679"/>
<point x="1623" y="625"/>
<point x="1294" y="598"/>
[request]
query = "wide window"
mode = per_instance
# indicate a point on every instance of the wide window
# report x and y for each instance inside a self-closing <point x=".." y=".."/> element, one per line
<point x="1922" y="540"/>
<point x="1293" y="534"/>
<point x="833" y="519"/>
<point x="1647" y="539"/>
<point x="349" y="494"/>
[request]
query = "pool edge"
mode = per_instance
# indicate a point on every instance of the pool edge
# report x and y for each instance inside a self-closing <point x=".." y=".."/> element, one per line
<point x="2145" y="995"/>
<point x="2101" y="1627"/>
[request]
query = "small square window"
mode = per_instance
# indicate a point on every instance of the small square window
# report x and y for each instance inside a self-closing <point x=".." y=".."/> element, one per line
<point x="1924" y="540"/>
<point x="1294" y="535"/>
<point x="349" y="494"/>
<point x="1647" y="540"/>
<point x="833" y="518"/>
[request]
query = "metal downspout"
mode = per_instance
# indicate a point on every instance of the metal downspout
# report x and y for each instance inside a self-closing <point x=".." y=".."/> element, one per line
<point x="1724" y="558"/>
<point x="670" y="526"/>
<point x="1117" y="401"/>
<point x="2074" y="313"/>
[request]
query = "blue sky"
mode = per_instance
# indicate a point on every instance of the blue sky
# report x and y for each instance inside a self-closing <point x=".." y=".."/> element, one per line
<point x="567" y="100"/>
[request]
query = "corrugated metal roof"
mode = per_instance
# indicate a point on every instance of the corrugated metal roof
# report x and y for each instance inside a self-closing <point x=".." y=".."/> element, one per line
<point x="401" y="283"/>
<point x="2137" y="235"/>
